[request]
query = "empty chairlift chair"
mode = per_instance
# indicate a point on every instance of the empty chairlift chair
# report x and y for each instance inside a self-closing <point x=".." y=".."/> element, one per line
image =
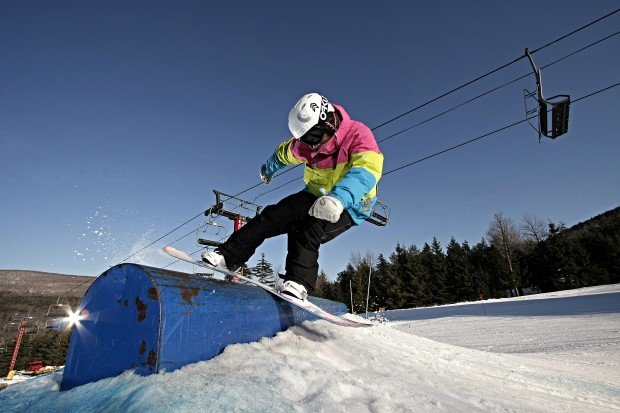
<point x="560" y="105"/>
<point x="59" y="310"/>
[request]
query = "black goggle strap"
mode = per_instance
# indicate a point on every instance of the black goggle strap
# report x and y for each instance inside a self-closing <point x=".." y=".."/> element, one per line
<point x="332" y="123"/>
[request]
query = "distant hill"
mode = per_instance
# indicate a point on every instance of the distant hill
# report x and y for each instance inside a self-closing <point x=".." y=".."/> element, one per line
<point x="31" y="293"/>
<point x="42" y="283"/>
<point x="606" y="221"/>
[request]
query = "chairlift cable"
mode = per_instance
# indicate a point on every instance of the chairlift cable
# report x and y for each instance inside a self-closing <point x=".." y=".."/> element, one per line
<point x="474" y="98"/>
<point x="178" y="239"/>
<point x="400" y="116"/>
<point x="498" y="87"/>
<point x="463" y="103"/>
<point x="490" y="133"/>
<point x="467" y="142"/>
<point x="575" y="31"/>
<point x="493" y="71"/>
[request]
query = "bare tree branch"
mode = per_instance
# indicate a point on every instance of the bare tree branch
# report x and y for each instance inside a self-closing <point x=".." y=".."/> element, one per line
<point x="504" y="236"/>
<point x="534" y="228"/>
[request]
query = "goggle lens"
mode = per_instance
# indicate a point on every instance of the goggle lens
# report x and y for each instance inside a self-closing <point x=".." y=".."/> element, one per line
<point x="314" y="136"/>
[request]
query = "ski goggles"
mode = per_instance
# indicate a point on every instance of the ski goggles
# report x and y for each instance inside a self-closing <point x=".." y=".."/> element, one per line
<point x="314" y="136"/>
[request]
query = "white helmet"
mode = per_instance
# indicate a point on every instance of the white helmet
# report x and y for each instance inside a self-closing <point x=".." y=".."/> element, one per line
<point x="308" y="112"/>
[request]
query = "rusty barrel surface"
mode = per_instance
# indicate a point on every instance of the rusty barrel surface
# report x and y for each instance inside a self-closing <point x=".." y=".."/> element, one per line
<point x="149" y="319"/>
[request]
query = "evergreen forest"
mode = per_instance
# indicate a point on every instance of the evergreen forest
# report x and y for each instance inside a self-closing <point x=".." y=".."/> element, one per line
<point x="512" y="259"/>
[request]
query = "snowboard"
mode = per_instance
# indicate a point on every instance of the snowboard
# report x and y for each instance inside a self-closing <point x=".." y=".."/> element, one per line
<point x="303" y="304"/>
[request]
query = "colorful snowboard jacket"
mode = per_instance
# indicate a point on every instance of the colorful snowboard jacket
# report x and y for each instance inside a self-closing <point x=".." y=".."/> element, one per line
<point x="348" y="166"/>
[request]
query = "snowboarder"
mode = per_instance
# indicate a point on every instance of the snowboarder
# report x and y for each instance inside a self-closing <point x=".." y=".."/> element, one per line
<point x="343" y="166"/>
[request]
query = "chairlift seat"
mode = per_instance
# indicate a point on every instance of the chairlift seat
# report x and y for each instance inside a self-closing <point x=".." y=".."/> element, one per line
<point x="559" y="108"/>
<point x="208" y="242"/>
<point x="377" y="219"/>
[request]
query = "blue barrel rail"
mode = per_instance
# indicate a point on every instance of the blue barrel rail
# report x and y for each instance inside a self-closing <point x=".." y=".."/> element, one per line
<point x="149" y="319"/>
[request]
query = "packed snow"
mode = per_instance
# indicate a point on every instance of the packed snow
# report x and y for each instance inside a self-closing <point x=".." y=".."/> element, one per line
<point x="545" y="353"/>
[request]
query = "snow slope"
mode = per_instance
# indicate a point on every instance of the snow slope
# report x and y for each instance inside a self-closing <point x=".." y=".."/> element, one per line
<point x="493" y="363"/>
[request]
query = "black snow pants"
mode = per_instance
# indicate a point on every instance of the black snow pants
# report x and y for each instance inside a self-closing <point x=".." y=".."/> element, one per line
<point x="305" y="236"/>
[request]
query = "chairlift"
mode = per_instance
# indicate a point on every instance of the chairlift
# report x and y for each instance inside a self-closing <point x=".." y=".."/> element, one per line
<point x="17" y="318"/>
<point x="211" y="224"/>
<point x="208" y="242"/>
<point x="59" y="310"/>
<point x="31" y="321"/>
<point x="382" y="218"/>
<point x="560" y="105"/>
<point x="242" y="204"/>
<point x="11" y="327"/>
<point x="251" y="209"/>
<point x="56" y="324"/>
<point x="31" y="329"/>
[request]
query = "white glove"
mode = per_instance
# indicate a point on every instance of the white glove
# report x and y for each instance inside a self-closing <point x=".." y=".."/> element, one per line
<point x="263" y="175"/>
<point x="327" y="208"/>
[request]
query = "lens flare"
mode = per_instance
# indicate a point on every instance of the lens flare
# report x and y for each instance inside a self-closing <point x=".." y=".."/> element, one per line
<point x="75" y="317"/>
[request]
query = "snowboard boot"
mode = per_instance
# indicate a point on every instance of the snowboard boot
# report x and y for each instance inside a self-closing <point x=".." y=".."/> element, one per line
<point x="214" y="259"/>
<point x="294" y="289"/>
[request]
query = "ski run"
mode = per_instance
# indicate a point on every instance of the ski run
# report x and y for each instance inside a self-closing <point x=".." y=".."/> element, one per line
<point x="554" y="352"/>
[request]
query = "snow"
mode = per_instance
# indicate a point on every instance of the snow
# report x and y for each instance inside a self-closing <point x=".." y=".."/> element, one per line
<point x="545" y="353"/>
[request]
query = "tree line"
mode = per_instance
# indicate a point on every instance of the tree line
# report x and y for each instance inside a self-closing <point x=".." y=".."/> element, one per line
<point x="49" y="347"/>
<point x="512" y="259"/>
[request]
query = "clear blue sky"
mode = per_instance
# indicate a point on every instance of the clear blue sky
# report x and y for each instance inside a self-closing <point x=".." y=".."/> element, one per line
<point x="117" y="119"/>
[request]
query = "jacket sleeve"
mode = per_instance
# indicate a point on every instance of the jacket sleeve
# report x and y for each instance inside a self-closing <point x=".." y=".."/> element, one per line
<point x="366" y="162"/>
<point x="283" y="155"/>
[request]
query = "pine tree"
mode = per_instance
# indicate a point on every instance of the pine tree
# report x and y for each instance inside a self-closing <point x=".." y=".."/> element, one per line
<point x="325" y="289"/>
<point x="486" y="266"/>
<point x="383" y="281"/>
<point x="432" y="259"/>
<point x="406" y="279"/>
<point x="438" y="272"/>
<point x="459" y="280"/>
<point x="263" y="272"/>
